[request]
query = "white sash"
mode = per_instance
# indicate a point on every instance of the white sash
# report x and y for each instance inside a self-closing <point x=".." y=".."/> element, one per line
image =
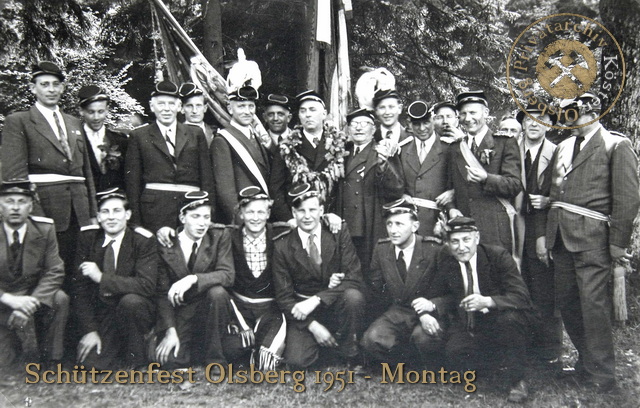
<point x="246" y="158"/>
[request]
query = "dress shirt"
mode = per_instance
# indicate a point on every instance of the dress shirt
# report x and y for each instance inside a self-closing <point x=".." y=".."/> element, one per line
<point x="48" y="115"/>
<point x="408" y="251"/>
<point x="117" y="242"/>
<point x="22" y="231"/>
<point x="304" y="236"/>
<point x="186" y="244"/>
<point x="474" y="272"/>
<point x="96" y="139"/>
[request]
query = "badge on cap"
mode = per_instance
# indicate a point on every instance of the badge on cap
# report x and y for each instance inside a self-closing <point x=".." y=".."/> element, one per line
<point x="249" y="194"/>
<point x="471" y="97"/>
<point x="18" y="186"/>
<point x="418" y="111"/>
<point x="309" y="95"/>
<point x="302" y="192"/>
<point x="279" y="100"/>
<point x="194" y="199"/>
<point x="399" y="206"/>
<point x="461" y="224"/>
<point x="91" y="93"/>
<point x="114" y="192"/>
<point x="166" y="88"/>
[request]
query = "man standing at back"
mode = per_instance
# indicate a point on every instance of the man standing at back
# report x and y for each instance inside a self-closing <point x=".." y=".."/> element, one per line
<point x="194" y="108"/>
<point x="46" y="146"/>
<point x="388" y="107"/>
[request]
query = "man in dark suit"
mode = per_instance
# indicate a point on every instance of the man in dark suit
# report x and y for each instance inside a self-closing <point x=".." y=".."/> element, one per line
<point x="485" y="171"/>
<point x="164" y="160"/>
<point x="402" y="268"/>
<point x="594" y="200"/>
<point x="536" y="153"/>
<point x="371" y="179"/>
<point x="31" y="276"/>
<point x="312" y="114"/>
<point x="107" y="148"/>
<point x="46" y="146"/>
<point x="425" y="167"/>
<point x="388" y="107"/>
<point x="243" y="155"/>
<point x="481" y="289"/>
<point x="194" y="109"/>
<point x="317" y="280"/>
<point x="253" y="293"/>
<point x="114" y="285"/>
<point x="193" y="303"/>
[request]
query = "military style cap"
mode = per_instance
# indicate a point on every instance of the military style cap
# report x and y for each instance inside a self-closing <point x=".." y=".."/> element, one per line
<point x="418" y="110"/>
<point x="471" y="97"/>
<point x="461" y="224"/>
<point x="301" y="192"/>
<point x="194" y="199"/>
<point x="361" y="112"/>
<point x="18" y="186"/>
<point x="244" y="93"/>
<point x="46" y="68"/>
<point x="115" y="192"/>
<point x="384" y="94"/>
<point x="584" y="103"/>
<point x="167" y="88"/>
<point x="279" y="100"/>
<point x="443" y="104"/>
<point x="189" y="89"/>
<point x="309" y="95"/>
<point x="91" y="93"/>
<point x="249" y="194"/>
<point x="399" y="206"/>
<point x="532" y="108"/>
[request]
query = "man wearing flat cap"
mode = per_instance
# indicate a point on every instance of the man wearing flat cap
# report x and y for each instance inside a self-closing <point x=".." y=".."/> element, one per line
<point x="425" y="167"/>
<point x="107" y="147"/>
<point x="114" y="286"/>
<point x="445" y="121"/>
<point x="31" y="276"/>
<point x="318" y="284"/>
<point x="388" y="107"/>
<point x="47" y="147"/>
<point x="480" y="288"/>
<point x="536" y="153"/>
<point x="312" y="114"/>
<point x="594" y="200"/>
<point x="277" y="115"/>
<point x="259" y="322"/>
<point x="194" y="108"/>
<point x="193" y="302"/>
<point x="370" y="179"/>
<point x="484" y="171"/>
<point x="243" y="154"/>
<point x="164" y="160"/>
<point x="402" y="268"/>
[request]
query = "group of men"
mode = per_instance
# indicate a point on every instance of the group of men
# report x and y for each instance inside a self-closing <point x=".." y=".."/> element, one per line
<point x="151" y="272"/>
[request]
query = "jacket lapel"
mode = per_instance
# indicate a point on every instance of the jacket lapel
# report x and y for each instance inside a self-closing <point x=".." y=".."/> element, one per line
<point x="34" y="245"/>
<point x="205" y="255"/>
<point x="157" y="139"/>
<point x="73" y="133"/>
<point x="125" y="255"/>
<point x="356" y="162"/>
<point x="300" y="254"/>
<point x="411" y="156"/>
<point x="42" y="126"/>
<point x="413" y="271"/>
<point x="175" y="259"/>
<point x="594" y="144"/>
<point x="92" y="156"/>
<point x="328" y="245"/>
<point x="4" y="256"/>
<point x="181" y="138"/>
<point x="433" y="157"/>
<point x="546" y="154"/>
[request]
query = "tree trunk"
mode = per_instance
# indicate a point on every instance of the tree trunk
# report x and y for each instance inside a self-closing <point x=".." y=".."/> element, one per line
<point x="212" y="34"/>
<point x="309" y="62"/>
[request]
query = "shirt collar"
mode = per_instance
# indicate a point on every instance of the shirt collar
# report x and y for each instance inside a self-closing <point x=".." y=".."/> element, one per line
<point x="9" y="231"/>
<point x="396" y="129"/>
<point x="182" y="236"/>
<point x="47" y="111"/>
<point x="479" y="137"/>
<point x="246" y="130"/>
<point x="259" y="238"/>
<point x="117" y="239"/>
<point x="172" y="127"/>
<point x="590" y="135"/>
<point x="533" y="150"/>
<point x="409" y="248"/>
<point x="304" y="236"/>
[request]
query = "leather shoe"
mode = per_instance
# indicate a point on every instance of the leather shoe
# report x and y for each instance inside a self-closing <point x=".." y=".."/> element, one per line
<point x="519" y="392"/>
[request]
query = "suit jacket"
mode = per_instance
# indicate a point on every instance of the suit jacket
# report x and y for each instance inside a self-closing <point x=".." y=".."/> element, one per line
<point x="114" y="176"/>
<point x="386" y="280"/>
<point x="498" y="277"/>
<point x="362" y="192"/>
<point x="603" y="178"/>
<point x="148" y="161"/>
<point x="30" y="146"/>
<point x="245" y="283"/>
<point x="539" y="182"/>
<point x="136" y="272"/>
<point x="315" y="156"/>
<point x="42" y="269"/>
<point x="427" y="180"/>
<point x="232" y="175"/>
<point x="293" y="272"/>
<point x="480" y="201"/>
<point x="213" y="266"/>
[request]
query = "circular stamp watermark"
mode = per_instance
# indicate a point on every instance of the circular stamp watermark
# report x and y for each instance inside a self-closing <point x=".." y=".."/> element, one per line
<point x="560" y="57"/>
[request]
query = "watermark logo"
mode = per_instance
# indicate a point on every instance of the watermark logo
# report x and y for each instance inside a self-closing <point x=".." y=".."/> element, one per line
<point x="563" y="56"/>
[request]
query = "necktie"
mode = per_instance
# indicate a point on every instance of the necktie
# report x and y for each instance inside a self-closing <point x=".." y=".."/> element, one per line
<point x="527" y="163"/>
<point x="15" y="248"/>
<point x="312" y="248"/>
<point x="357" y="151"/>
<point x="63" y="136"/>
<point x="576" y="147"/>
<point x="422" y="154"/>
<point x="170" y="145"/>
<point x="316" y="141"/>
<point x="469" y="291"/>
<point x="388" y="135"/>
<point x="402" y="266"/>
<point x="109" y="262"/>
<point x="474" y="146"/>
<point x="192" y="257"/>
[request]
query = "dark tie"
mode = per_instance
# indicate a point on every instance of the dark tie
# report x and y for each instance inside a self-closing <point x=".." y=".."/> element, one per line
<point x="474" y="146"/>
<point x="316" y="142"/>
<point x="470" y="315"/>
<point x="389" y="134"/>
<point x="15" y="248"/>
<point x="192" y="257"/>
<point x="576" y="147"/>
<point x="109" y="262"/>
<point x="314" y="254"/>
<point x="527" y="164"/>
<point x="63" y="137"/>
<point x="357" y="151"/>
<point x="402" y="266"/>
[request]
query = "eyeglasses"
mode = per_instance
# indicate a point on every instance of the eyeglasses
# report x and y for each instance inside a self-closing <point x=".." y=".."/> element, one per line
<point x="362" y="124"/>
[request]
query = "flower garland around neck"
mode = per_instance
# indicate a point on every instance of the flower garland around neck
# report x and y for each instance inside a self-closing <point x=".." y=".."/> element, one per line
<point x="334" y="144"/>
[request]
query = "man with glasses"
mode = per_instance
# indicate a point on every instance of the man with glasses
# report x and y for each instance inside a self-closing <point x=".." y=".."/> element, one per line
<point x="277" y="115"/>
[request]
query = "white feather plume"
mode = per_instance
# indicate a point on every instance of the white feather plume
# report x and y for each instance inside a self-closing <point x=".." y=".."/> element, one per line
<point x="244" y="72"/>
<point x="372" y="81"/>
